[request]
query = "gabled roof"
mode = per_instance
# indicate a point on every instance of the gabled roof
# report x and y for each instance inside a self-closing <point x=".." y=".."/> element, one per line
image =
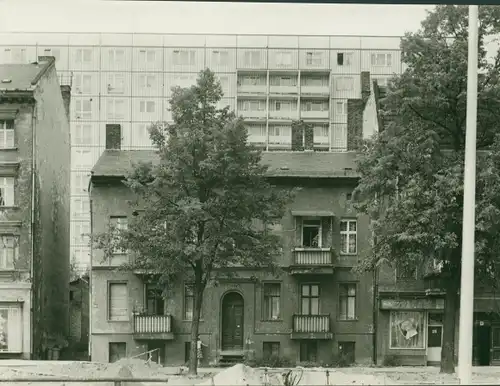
<point x="22" y="77"/>
<point x="118" y="163"/>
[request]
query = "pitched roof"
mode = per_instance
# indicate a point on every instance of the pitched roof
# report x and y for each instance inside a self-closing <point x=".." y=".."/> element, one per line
<point x="118" y="163"/>
<point x="22" y="77"/>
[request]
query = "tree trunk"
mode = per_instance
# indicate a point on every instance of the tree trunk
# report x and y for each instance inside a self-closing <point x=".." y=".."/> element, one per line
<point x="195" y="324"/>
<point x="449" y="323"/>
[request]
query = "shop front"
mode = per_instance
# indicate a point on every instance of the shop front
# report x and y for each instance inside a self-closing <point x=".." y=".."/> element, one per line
<point x="411" y="330"/>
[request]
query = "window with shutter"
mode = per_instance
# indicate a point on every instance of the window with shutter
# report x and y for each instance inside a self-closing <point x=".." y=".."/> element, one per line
<point x="118" y="302"/>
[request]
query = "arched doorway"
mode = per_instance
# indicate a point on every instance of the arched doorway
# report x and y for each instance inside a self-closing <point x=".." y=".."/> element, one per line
<point x="232" y="321"/>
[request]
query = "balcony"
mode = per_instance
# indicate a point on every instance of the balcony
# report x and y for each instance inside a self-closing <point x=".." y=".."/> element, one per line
<point x="153" y="327"/>
<point x="253" y="114"/>
<point x="284" y="90"/>
<point x="252" y="89"/>
<point x="311" y="327"/>
<point x="286" y="115"/>
<point x="307" y="261"/>
<point x="315" y="91"/>
<point x="322" y="115"/>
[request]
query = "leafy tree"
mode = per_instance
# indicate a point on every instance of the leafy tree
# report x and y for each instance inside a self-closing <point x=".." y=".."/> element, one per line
<point x="412" y="172"/>
<point x="201" y="206"/>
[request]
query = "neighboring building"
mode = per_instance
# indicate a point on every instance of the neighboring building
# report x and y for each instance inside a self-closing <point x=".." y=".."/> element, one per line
<point x="79" y="322"/>
<point x="34" y="209"/>
<point x="126" y="79"/>
<point x="311" y="314"/>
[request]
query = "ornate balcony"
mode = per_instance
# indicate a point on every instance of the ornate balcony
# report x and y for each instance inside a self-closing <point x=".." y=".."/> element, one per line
<point x="311" y="327"/>
<point x="153" y="327"/>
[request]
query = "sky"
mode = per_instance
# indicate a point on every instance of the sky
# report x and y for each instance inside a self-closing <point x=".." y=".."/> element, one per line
<point x="209" y="17"/>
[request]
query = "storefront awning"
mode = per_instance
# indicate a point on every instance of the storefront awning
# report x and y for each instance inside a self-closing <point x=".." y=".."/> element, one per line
<point x="312" y="213"/>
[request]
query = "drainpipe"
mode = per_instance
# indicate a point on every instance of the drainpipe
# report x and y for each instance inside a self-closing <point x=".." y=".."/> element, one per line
<point x="375" y="308"/>
<point x="32" y="262"/>
<point x="90" y="273"/>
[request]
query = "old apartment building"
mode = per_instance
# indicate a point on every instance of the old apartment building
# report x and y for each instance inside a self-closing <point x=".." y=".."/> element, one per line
<point x="316" y="310"/>
<point x="34" y="208"/>
<point x="126" y="79"/>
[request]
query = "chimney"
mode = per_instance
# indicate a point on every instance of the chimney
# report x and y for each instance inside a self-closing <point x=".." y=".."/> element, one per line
<point x="113" y="137"/>
<point x="66" y="96"/>
<point x="365" y="85"/>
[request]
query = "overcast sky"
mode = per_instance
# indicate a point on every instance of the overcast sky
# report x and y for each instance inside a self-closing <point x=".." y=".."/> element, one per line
<point x="192" y="17"/>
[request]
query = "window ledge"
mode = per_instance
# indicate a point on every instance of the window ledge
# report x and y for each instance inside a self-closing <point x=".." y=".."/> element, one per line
<point x="312" y="249"/>
<point x="9" y="148"/>
<point x="119" y="321"/>
<point x="356" y="319"/>
<point x="348" y="254"/>
<point x="271" y="320"/>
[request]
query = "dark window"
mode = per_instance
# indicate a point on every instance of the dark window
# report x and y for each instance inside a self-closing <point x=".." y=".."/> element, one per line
<point x="311" y="233"/>
<point x="155" y="304"/>
<point x="187" y="351"/>
<point x="308" y="351"/>
<point x="340" y="58"/>
<point x="434" y="336"/>
<point x="310" y="299"/>
<point x="347" y="350"/>
<point x="71" y="295"/>
<point x="272" y="292"/>
<point x="117" y="351"/>
<point x="347" y="301"/>
<point x="270" y="349"/>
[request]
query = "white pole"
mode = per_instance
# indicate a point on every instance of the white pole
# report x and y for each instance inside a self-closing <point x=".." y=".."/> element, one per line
<point x="469" y="206"/>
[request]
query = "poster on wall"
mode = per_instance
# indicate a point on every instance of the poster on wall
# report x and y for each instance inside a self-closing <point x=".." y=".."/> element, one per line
<point x="4" y="329"/>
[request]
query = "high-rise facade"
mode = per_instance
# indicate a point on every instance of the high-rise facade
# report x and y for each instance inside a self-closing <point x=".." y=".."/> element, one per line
<point x="126" y="79"/>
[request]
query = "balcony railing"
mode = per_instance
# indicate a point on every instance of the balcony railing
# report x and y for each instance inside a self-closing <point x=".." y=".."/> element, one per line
<point x="313" y="256"/>
<point x="314" y="114"/>
<point x="260" y="114"/>
<point x="252" y="89"/>
<point x="311" y="323"/>
<point x="285" y="115"/>
<point x="152" y="324"/>
<point x="315" y="90"/>
<point x="283" y="89"/>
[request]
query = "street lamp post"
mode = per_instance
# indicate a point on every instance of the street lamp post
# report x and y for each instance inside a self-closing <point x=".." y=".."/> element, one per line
<point x="469" y="207"/>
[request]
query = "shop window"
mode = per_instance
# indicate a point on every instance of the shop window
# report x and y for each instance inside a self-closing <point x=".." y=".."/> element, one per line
<point x="406" y="329"/>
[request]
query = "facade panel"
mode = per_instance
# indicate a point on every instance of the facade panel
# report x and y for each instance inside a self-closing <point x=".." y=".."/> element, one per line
<point x="18" y="54"/>
<point x="115" y="109"/>
<point x="221" y="59"/>
<point x="139" y="136"/>
<point x="84" y="108"/>
<point x="147" y="84"/>
<point x="148" y="59"/>
<point x="345" y="61"/>
<point x="85" y="83"/>
<point x="147" y="109"/>
<point x="314" y="59"/>
<point x="116" y="58"/>
<point x="254" y="58"/>
<point x="115" y="84"/>
<point x="228" y="83"/>
<point x="84" y="58"/>
<point x="381" y="62"/>
<point x="61" y="53"/>
<point x="283" y="58"/>
<point x="178" y="79"/>
<point x="184" y="59"/>
<point x="346" y="86"/>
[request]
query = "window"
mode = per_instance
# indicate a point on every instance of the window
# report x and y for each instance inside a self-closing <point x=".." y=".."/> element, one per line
<point x="253" y="105"/>
<point x="118" y="302"/>
<point x="6" y="191"/>
<point x="155" y="304"/>
<point x="344" y="58"/>
<point x="116" y="83"/>
<point x="282" y="106"/>
<point x="252" y="80"/>
<point x="309" y="299"/>
<point x="83" y="159"/>
<point x="347" y="301"/>
<point x="116" y="108"/>
<point x="147" y="56"/>
<point x="345" y="83"/>
<point x="83" y="83"/>
<point x="81" y="233"/>
<point x="270" y="350"/>
<point x="82" y="134"/>
<point x="189" y="302"/>
<point x="279" y="131"/>
<point x="81" y="207"/>
<point x="341" y="107"/>
<point x="406" y="329"/>
<point x="256" y="131"/>
<point x="11" y="339"/>
<point x="348" y="236"/>
<point x="252" y="58"/>
<point x="314" y="81"/>
<point x="9" y="250"/>
<point x="116" y="56"/>
<point x="311" y="233"/>
<point x="283" y="58"/>
<point x="321" y="131"/>
<point x="83" y="109"/>
<point x="83" y="55"/>
<point x="147" y="81"/>
<point x="314" y="58"/>
<point x="284" y="81"/>
<point x="406" y="271"/>
<point x="80" y="183"/>
<point x="383" y="59"/>
<point x="272" y="296"/>
<point x="142" y="134"/>
<point x="220" y="58"/>
<point x="120" y="223"/>
<point x="184" y="57"/>
<point x="6" y="134"/>
<point x="308" y="351"/>
<point x="315" y="106"/>
<point x="117" y="351"/>
<point x="147" y="106"/>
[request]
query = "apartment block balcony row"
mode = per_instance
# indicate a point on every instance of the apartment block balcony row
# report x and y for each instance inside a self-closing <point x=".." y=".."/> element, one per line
<point x="156" y="327"/>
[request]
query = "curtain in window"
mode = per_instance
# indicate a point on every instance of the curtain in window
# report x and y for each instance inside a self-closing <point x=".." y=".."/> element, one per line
<point x="407" y="329"/>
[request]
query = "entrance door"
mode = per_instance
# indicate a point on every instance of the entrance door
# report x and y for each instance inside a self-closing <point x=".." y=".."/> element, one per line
<point x="232" y="321"/>
<point x="483" y="344"/>
<point x="156" y="352"/>
<point x="495" y="345"/>
<point x="434" y="337"/>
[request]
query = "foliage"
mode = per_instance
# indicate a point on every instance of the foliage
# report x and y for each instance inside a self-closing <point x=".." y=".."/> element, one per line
<point x="206" y="206"/>
<point x="412" y="172"/>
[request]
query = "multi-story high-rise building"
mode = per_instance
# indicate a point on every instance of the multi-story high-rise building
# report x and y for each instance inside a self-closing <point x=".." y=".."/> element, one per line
<point x="126" y="79"/>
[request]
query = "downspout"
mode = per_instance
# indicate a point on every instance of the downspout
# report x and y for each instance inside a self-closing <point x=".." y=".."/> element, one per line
<point x="89" y="189"/>
<point x="375" y="306"/>
<point x="32" y="262"/>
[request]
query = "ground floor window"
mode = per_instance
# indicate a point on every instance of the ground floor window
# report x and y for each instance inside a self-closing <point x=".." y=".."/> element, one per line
<point x="308" y="351"/>
<point x="406" y="329"/>
<point x="270" y="350"/>
<point x="11" y="328"/>
<point x="347" y="351"/>
<point x="117" y="351"/>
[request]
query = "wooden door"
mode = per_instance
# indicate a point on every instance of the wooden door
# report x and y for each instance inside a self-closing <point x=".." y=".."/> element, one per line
<point x="232" y="321"/>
